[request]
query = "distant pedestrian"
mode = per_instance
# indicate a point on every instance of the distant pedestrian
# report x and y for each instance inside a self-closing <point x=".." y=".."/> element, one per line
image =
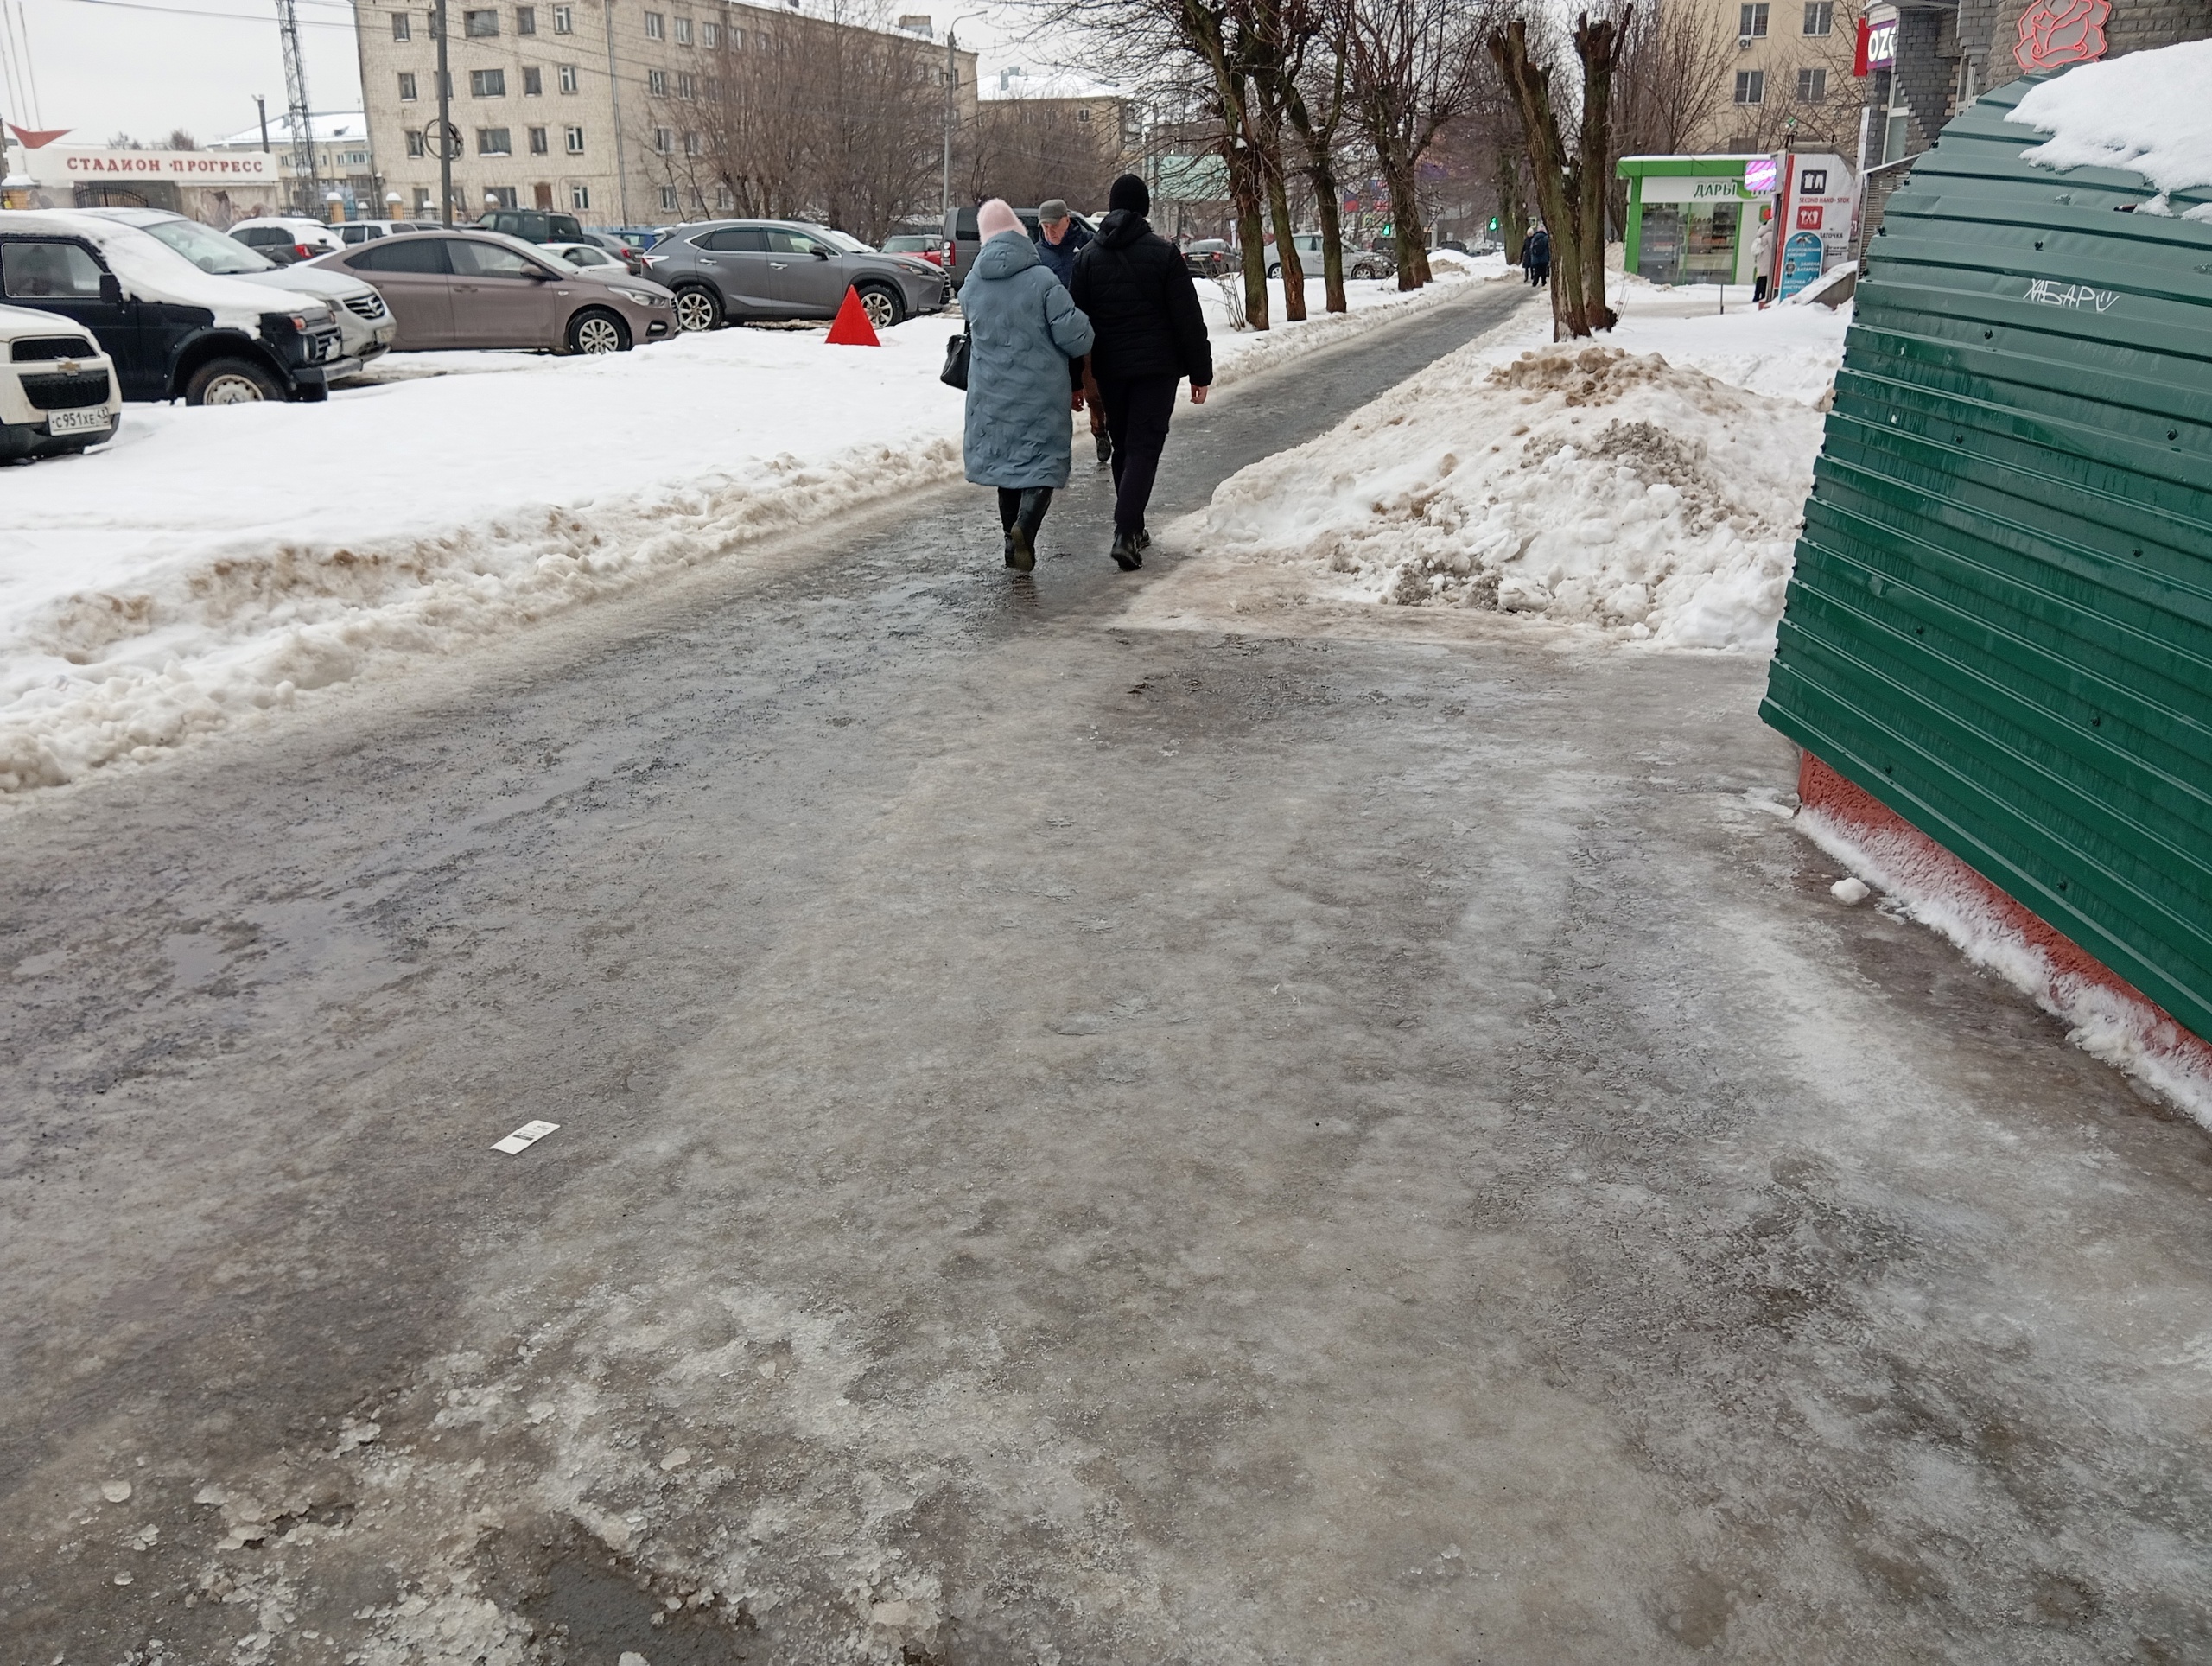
<point x="1060" y="238"/>
<point x="1762" y="259"/>
<point x="1025" y="339"/>
<point x="1536" y="257"/>
<point x="1137" y="292"/>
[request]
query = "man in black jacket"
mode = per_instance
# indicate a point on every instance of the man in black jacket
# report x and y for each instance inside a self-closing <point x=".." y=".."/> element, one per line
<point x="1138" y="295"/>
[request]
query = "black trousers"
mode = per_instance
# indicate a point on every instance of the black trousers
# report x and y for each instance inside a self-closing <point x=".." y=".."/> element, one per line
<point x="1137" y="413"/>
<point x="1010" y="506"/>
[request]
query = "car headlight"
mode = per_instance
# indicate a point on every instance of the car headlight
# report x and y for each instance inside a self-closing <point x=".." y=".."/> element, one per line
<point x="640" y="297"/>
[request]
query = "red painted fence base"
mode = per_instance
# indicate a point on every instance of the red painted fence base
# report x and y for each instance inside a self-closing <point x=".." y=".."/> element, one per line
<point x="1916" y="867"/>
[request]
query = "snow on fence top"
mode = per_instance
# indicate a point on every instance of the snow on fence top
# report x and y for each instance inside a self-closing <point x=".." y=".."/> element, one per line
<point x="2147" y="112"/>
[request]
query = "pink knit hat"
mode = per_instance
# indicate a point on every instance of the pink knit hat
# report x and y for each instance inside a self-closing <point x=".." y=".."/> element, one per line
<point x="995" y="217"/>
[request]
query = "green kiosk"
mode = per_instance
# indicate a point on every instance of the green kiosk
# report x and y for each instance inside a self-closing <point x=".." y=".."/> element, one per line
<point x="1694" y="219"/>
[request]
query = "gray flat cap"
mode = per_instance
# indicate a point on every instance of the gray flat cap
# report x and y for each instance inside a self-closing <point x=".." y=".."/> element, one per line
<point x="1055" y="209"/>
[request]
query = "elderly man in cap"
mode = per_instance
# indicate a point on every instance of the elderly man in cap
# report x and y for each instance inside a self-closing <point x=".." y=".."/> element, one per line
<point x="1059" y="241"/>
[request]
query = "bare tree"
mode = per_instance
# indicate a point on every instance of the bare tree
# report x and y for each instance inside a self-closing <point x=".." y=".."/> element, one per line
<point x="1413" y="66"/>
<point x="1315" y="97"/>
<point x="1570" y="187"/>
<point x="180" y="139"/>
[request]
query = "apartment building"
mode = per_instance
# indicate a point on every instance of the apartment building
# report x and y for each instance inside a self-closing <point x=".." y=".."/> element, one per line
<point x="587" y="106"/>
<point x="1790" y="86"/>
<point x="345" y="165"/>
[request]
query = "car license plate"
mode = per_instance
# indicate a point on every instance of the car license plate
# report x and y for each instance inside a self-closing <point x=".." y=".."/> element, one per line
<point x="76" y="421"/>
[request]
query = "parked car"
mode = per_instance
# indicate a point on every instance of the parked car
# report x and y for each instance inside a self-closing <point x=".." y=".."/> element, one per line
<point x="787" y="269"/>
<point x="532" y="224"/>
<point x="1308" y="244"/>
<point x="961" y="240"/>
<point x="1208" y="258"/>
<point x="172" y="330"/>
<point x="920" y="244"/>
<point x="1378" y="259"/>
<point x="284" y="240"/>
<point x="586" y="258"/>
<point x="470" y="288"/>
<point x="364" y="231"/>
<point x="58" y="392"/>
<point x="366" y="325"/>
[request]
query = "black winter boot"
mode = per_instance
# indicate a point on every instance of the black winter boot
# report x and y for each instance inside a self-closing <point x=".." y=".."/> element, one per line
<point x="1127" y="556"/>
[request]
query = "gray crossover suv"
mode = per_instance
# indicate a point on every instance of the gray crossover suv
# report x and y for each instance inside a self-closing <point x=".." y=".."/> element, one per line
<point x="728" y="269"/>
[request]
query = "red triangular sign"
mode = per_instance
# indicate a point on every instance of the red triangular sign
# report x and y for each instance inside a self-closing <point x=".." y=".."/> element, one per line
<point x="852" y="329"/>
<point x="37" y="138"/>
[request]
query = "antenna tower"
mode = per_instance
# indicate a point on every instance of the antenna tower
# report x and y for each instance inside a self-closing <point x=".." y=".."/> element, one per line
<point x="306" y="183"/>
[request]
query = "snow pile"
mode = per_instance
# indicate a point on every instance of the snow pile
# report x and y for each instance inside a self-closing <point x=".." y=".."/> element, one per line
<point x="1577" y="482"/>
<point x="211" y="563"/>
<point x="2147" y="112"/>
<point x="1928" y="885"/>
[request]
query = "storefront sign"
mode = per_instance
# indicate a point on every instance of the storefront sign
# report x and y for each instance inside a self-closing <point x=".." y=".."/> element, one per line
<point x="1759" y="176"/>
<point x="2057" y="32"/>
<point x="58" y="165"/>
<point x="1688" y="188"/>
<point x="1877" y="42"/>
<point x="1816" y="208"/>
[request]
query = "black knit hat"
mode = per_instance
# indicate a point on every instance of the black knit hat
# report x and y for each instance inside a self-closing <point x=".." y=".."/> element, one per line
<point x="1130" y="193"/>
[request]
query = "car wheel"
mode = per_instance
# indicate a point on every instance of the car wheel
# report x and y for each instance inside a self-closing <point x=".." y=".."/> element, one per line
<point x="883" y="308"/>
<point x="231" y="382"/>
<point x="597" y="330"/>
<point x="698" y="309"/>
<point x="1275" y="270"/>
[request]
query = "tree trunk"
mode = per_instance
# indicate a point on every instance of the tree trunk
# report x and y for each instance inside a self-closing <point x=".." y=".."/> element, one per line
<point x="1321" y="170"/>
<point x="1406" y="224"/>
<point x="1245" y="188"/>
<point x="1557" y="186"/>
<point x="1512" y="213"/>
<point x="1293" y="269"/>
<point x="1598" y="47"/>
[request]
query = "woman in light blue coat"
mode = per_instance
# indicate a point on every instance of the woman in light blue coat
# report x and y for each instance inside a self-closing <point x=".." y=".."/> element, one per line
<point x="1024" y="337"/>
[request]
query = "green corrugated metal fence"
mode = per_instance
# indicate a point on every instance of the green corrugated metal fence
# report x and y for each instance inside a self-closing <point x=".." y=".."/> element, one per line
<point x="2001" y="621"/>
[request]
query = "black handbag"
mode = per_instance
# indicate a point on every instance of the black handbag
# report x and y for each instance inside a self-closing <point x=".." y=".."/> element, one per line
<point x="955" y="374"/>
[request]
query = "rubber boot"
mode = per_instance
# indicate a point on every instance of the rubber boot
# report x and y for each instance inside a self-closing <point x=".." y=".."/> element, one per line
<point x="1035" y="502"/>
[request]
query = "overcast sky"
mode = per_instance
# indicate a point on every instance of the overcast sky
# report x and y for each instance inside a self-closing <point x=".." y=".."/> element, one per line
<point x="156" y="64"/>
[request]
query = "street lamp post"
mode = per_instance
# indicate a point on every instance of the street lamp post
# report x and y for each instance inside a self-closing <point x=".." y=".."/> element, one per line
<point x="445" y="117"/>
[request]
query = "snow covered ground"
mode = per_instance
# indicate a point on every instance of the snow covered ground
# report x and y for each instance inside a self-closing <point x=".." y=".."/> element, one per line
<point x="210" y="564"/>
<point x="1650" y="483"/>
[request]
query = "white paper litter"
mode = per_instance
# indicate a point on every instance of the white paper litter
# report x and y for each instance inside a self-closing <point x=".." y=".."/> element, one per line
<point x="523" y="1137"/>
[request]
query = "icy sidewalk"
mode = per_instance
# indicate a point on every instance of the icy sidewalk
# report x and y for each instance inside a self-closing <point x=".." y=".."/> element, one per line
<point x="212" y="563"/>
<point x="1650" y="483"/>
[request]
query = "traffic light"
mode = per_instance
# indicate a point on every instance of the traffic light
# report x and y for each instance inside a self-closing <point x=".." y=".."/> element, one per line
<point x="1493" y="222"/>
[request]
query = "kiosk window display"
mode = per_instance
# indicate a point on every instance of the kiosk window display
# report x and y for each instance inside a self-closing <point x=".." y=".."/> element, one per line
<point x="1694" y="219"/>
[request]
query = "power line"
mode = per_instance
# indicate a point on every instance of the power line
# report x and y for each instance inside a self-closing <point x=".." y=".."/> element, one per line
<point x="189" y="11"/>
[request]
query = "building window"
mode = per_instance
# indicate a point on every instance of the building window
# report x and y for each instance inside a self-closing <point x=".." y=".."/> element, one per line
<point x="657" y="83"/>
<point x="481" y="25"/>
<point x="525" y="19"/>
<point x="668" y="199"/>
<point x="686" y="85"/>
<point x="567" y="78"/>
<point x="723" y="199"/>
<point x="493" y="141"/>
<point x="564" y="20"/>
<point x="422" y="198"/>
<point x="1750" y="22"/>
<point x="402" y="27"/>
<point x="407" y="87"/>
<point x="692" y="147"/>
<point x="656" y="26"/>
<point x="575" y="140"/>
<point x="487" y="83"/>
<point x="710" y="36"/>
<point x="538" y="145"/>
<point x="664" y="140"/>
<point x="683" y="31"/>
<point x="1751" y="86"/>
<point x="415" y="146"/>
<point x="579" y="196"/>
<point x="736" y="39"/>
<point x="533" y="83"/>
<point x="1812" y="87"/>
<point x="1083" y="113"/>
<point x="502" y="196"/>
<point x="1819" y="16"/>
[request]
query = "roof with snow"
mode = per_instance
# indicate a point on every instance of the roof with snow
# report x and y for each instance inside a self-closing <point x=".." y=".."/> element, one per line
<point x="327" y="126"/>
<point x="2146" y="112"/>
<point x="1014" y="82"/>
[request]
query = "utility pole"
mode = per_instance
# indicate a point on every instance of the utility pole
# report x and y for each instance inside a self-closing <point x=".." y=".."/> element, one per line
<point x="952" y="83"/>
<point x="445" y="116"/>
<point x="262" y="104"/>
<point x="306" y="181"/>
<point x="614" y="95"/>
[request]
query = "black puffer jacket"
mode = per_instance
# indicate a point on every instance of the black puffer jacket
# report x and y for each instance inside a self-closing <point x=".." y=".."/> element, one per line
<point x="1138" y="295"/>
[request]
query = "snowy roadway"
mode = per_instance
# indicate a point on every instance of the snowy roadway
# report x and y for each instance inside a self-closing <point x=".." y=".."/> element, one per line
<point x="1078" y="1141"/>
